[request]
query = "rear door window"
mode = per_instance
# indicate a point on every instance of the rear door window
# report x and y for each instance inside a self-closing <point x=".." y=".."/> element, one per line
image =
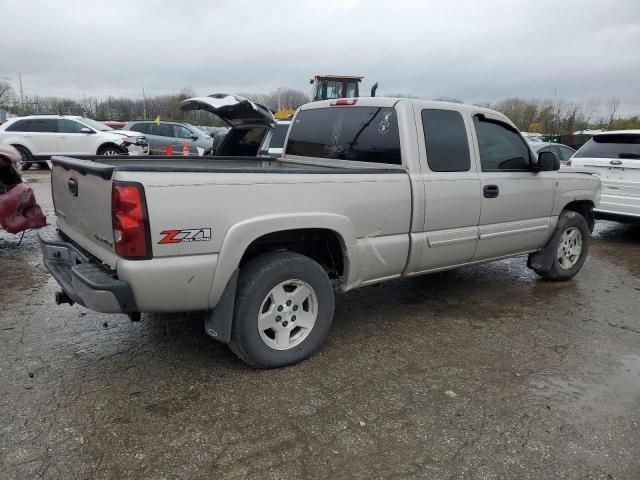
<point x="445" y="137"/>
<point x="623" y="145"/>
<point x="501" y="147"/>
<point x="363" y="134"/>
<point x="43" y="125"/>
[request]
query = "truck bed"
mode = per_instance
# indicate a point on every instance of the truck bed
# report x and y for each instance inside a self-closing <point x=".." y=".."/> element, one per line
<point x="106" y="166"/>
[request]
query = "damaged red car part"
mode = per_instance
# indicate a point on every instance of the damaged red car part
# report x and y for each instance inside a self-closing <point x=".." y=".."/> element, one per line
<point x="18" y="208"/>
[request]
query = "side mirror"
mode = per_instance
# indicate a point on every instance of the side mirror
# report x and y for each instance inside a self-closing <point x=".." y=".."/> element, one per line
<point x="86" y="130"/>
<point x="547" y="162"/>
<point x="194" y="137"/>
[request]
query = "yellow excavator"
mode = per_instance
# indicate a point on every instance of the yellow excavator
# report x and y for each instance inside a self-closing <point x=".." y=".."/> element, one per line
<point x="328" y="87"/>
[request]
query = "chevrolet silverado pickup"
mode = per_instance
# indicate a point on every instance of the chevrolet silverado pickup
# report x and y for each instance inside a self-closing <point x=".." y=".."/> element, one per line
<point x="368" y="190"/>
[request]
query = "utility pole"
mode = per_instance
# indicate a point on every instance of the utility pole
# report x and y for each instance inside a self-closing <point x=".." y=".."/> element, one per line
<point x="144" y="104"/>
<point x="21" y="94"/>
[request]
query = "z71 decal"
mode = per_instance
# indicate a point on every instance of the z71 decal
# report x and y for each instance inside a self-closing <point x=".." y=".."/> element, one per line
<point x="185" y="235"/>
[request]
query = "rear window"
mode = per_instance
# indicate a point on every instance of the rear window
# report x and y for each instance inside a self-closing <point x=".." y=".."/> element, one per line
<point x="19" y="126"/>
<point x="363" y="134"/>
<point x="624" y="145"/>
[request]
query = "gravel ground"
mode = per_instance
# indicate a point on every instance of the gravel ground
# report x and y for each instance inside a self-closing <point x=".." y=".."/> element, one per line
<point x="486" y="372"/>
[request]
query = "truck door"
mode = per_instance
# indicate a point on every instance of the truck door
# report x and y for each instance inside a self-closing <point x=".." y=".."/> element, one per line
<point x="452" y="189"/>
<point x="516" y="201"/>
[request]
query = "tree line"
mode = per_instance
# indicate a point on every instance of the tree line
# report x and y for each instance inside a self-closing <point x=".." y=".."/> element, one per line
<point x="532" y="115"/>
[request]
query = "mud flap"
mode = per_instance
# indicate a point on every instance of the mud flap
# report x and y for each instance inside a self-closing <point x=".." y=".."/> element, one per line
<point x="543" y="260"/>
<point x="218" y="321"/>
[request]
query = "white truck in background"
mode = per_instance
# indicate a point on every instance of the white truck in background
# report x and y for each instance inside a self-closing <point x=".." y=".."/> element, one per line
<point x="368" y="190"/>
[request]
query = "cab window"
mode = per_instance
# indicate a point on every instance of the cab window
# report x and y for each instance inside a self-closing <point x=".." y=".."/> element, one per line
<point x="445" y="138"/>
<point x="501" y="147"/>
<point x="69" y="126"/>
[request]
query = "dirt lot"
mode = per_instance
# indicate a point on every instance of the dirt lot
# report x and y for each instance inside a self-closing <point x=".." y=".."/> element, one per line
<point x="486" y="372"/>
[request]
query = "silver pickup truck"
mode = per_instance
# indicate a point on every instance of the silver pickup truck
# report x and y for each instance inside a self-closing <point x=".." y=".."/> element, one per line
<point x="369" y="190"/>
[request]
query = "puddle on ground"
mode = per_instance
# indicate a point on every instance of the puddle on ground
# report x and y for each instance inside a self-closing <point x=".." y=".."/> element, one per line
<point x="613" y="394"/>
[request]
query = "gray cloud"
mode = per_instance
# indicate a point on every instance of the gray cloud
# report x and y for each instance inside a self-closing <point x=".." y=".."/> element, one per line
<point x="476" y="51"/>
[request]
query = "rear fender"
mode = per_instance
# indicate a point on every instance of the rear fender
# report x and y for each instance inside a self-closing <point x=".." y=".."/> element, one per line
<point x="241" y="235"/>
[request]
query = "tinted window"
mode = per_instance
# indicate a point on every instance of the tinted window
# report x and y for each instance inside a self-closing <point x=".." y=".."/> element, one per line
<point x="19" y="126"/>
<point x="162" y="130"/>
<point x="501" y="148"/>
<point x="45" y="125"/>
<point x="140" y="127"/>
<point x="364" y="134"/>
<point x="624" y="145"/>
<point x="278" y="135"/>
<point x="446" y="139"/>
<point x="69" y="126"/>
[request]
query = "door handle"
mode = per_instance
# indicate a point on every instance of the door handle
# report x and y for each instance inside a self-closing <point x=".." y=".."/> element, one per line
<point x="615" y="162"/>
<point x="490" y="191"/>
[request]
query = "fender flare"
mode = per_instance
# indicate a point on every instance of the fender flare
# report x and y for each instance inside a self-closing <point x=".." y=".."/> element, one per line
<point x="241" y="235"/>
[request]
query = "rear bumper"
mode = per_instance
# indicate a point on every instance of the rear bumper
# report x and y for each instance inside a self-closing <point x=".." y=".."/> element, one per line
<point x="622" y="208"/>
<point x="82" y="278"/>
<point x="616" y="216"/>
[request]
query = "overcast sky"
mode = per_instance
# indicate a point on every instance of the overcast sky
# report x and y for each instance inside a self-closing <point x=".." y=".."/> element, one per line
<point x="473" y="50"/>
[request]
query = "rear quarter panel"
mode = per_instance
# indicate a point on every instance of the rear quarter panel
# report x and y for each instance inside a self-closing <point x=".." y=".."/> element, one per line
<point x="370" y="212"/>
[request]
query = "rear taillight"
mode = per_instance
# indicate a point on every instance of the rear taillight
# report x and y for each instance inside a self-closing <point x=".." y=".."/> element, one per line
<point x="343" y="101"/>
<point x="130" y="222"/>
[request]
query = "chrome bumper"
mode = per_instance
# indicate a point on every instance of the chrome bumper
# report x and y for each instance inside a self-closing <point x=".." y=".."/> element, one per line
<point x="82" y="278"/>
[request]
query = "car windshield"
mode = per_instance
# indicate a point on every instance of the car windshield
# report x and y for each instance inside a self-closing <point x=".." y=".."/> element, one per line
<point x="101" y="127"/>
<point x="616" y="145"/>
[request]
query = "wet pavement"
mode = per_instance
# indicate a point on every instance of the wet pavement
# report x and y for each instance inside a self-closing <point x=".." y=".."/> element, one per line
<point x="481" y="373"/>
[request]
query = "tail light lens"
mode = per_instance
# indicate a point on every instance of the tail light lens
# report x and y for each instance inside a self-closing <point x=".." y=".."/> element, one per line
<point x="130" y="221"/>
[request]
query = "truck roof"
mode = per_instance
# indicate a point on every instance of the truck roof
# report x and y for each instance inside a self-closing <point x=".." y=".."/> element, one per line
<point x="390" y="102"/>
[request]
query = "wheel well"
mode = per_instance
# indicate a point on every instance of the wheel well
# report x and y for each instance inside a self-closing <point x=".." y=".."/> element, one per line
<point x="108" y="144"/>
<point x="584" y="208"/>
<point x="322" y="245"/>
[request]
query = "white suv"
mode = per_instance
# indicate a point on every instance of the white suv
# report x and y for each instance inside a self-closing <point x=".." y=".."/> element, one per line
<point x="38" y="137"/>
<point x="615" y="157"/>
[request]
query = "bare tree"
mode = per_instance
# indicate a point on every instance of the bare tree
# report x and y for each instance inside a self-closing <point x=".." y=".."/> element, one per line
<point x="612" y="109"/>
<point x="6" y="92"/>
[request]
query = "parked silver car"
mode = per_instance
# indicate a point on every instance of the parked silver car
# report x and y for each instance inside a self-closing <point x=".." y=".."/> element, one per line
<point x="161" y="134"/>
<point x="561" y="151"/>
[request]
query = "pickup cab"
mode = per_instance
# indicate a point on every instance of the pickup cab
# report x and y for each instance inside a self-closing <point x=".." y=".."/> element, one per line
<point x="368" y="190"/>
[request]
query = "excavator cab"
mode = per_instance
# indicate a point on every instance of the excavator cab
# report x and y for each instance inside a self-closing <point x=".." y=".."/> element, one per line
<point x="327" y="87"/>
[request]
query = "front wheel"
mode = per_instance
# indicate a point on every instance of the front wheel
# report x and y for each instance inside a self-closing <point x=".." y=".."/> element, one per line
<point x="110" y="151"/>
<point x="567" y="250"/>
<point x="283" y="309"/>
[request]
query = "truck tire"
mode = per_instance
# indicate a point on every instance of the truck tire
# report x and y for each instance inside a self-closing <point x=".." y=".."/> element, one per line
<point x="566" y="251"/>
<point x="283" y="309"/>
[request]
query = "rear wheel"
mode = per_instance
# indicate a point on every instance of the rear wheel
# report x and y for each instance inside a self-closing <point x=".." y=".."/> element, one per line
<point x="568" y="247"/>
<point x="283" y="309"/>
<point x="25" y="157"/>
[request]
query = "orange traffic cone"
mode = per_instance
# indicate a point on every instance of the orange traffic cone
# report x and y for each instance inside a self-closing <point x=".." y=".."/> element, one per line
<point x="168" y="150"/>
<point x="185" y="149"/>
